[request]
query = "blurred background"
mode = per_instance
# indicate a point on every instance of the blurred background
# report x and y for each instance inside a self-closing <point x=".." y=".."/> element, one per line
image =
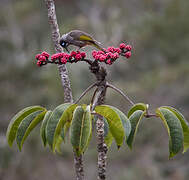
<point x="157" y="73"/>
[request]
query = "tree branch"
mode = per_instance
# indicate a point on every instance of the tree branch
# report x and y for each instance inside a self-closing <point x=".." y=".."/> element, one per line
<point x="55" y="38"/>
<point x="64" y="75"/>
<point x="85" y="92"/>
<point x="99" y="98"/>
<point x="120" y="92"/>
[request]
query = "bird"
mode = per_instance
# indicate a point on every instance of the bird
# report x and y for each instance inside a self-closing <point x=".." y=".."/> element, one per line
<point x="78" y="38"/>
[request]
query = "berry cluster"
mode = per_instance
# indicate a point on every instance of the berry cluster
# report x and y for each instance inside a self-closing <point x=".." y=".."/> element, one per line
<point x="60" y="58"/>
<point x="42" y="58"/>
<point x="108" y="56"/>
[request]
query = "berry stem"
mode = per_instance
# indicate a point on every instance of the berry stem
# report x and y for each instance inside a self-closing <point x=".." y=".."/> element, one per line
<point x="85" y="92"/>
<point x="120" y="92"/>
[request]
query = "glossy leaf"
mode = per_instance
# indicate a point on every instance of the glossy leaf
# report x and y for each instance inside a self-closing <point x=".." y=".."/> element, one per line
<point x="43" y="127"/>
<point x="58" y="145"/>
<point x="125" y="121"/>
<point x="108" y="139"/>
<point x="174" y="128"/>
<point x="64" y="123"/>
<point x="80" y="130"/>
<point x="114" y="121"/>
<point x="27" y="125"/>
<point x="185" y="126"/>
<point x="135" y="118"/>
<point x="138" y="106"/>
<point x="16" y="120"/>
<point x="52" y="123"/>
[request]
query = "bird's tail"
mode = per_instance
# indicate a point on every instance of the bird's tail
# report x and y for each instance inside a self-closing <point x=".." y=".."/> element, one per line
<point x="96" y="44"/>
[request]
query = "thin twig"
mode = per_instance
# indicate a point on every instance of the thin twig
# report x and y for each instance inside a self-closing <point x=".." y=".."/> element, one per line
<point x="85" y="92"/>
<point x="120" y="92"/>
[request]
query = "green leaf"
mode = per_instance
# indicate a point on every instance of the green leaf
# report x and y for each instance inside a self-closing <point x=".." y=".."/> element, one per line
<point x="52" y="123"/>
<point x="89" y="139"/>
<point x="108" y="139"/>
<point x="80" y="130"/>
<point x="125" y="121"/>
<point x="27" y="125"/>
<point x="58" y="145"/>
<point x="174" y="129"/>
<point x="114" y="122"/>
<point x="135" y="118"/>
<point x="185" y="126"/>
<point x="64" y="123"/>
<point x="138" y="106"/>
<point x="43" y="127"/>
<point x="16" y="120"/>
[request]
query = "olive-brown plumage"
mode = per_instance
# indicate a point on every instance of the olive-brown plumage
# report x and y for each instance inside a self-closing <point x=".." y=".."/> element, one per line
<point x="78" y="38"/>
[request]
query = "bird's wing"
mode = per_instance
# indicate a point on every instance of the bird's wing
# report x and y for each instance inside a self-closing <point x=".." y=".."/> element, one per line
<point x="81" y="36"/>
<point x="85" y="38"/>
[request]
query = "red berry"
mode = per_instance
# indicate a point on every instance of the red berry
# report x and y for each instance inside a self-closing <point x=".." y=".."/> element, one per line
<point x="111" y="49"/>
<point x="122" y="46"/>
<point x="94" y="53"/>
<point x="83" y="54"/>
<point x="73" y="54"/>
<point x="42" y="58"/>
<point x="37" y="56"/>
<point x="67" y="56"/>
<point x="102" y="58"/>
<point x="128" y="47"/>
<point x="78" y="57"/>
<point x="54" y="57"/>
<point x="39" y="63"/>
<point x="97" y="57"/>
<point x="115" y="56"/>
<point x="109" y="62"/>
<point x="128" y="54"/>
<point x="110" y="55"/>
<point x="117" y="50"/>
<point x="101" y="52"/>
<point x="63" y="60"/>
<point x="60" y="55"/>
<point x="45" y="54"/>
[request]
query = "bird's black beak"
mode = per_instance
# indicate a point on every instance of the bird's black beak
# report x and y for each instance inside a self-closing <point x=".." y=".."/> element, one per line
<point x="66" y="48"/>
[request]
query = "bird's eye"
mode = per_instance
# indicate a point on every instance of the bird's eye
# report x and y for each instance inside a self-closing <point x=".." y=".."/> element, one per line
<point x="63" y="44"/>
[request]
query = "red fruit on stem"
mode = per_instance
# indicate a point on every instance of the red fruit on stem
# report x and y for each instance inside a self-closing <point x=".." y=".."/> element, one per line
<point x="37" y="56"/>
<point x="42" y="58"/>
<point x="109" y="62"/>
<point x="122" y="46"/>
<point x="78" y="57"/>
<point x="73" y="54"/>
<point x="39" y="63"/>
<point x="63" y="60"/>
<point x="128" y="54"/>
<point x="102" y="58"/>
<point x="44" y="53"/>
<point x="128" y="47"/>
<point x="83" y="54"/>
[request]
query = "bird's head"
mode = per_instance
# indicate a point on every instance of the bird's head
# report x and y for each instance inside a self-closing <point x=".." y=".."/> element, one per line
<point x="63" y="42"/>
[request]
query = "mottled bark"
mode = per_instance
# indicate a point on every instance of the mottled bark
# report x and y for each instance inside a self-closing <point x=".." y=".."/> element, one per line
<point x="99" y="98"/>
<point x="55" y="38"/>
<point x="64" y="75"/>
